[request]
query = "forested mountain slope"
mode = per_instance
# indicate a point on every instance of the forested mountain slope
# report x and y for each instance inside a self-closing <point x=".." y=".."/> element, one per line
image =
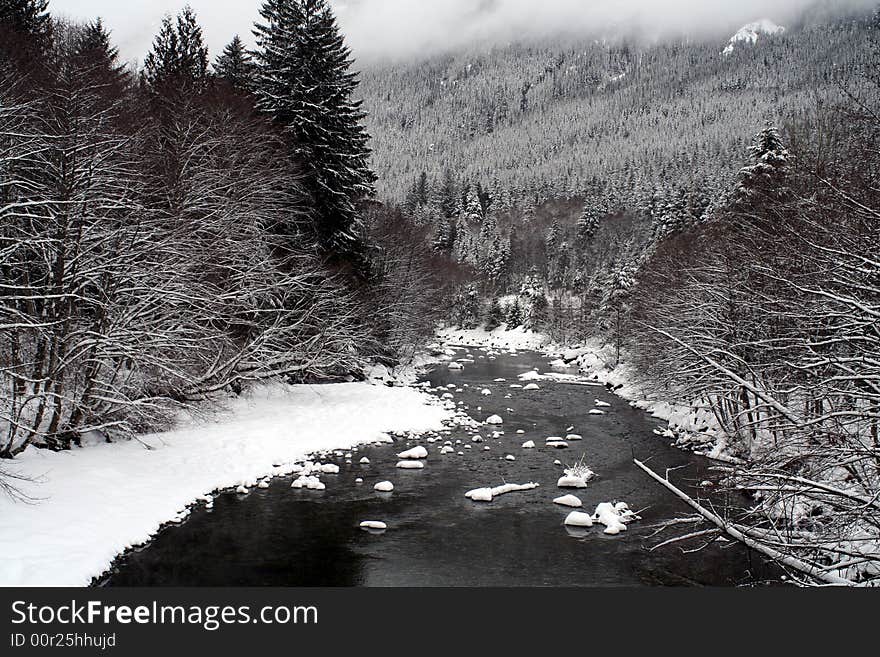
<point x="549" y="120"/>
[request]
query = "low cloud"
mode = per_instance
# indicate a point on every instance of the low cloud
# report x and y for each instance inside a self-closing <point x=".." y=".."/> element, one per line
<point x="378" y="28"/>
<point x="406" y="28"/>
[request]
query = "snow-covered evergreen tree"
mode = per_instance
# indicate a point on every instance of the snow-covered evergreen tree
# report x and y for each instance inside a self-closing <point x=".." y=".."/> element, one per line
<point x="496" y="260"/>
<point x="588" y="225"/>
<point x="466" y="308"/>
<point x="472" y="209"/>
<point x="305" y="83"/>
<point x="771" y="164"/>
<point x="235" y="65"/>
<point x="495" y="315"/>
<point x="178" y="60"/>
<point x="514" y="316"/>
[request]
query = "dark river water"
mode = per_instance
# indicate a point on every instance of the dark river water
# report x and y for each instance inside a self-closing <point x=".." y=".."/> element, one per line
<point x="437" y="537"/>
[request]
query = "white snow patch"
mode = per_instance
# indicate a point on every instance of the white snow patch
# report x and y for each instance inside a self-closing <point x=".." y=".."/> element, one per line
<point x="751" y="33"/>
<point x="94" y="503"/>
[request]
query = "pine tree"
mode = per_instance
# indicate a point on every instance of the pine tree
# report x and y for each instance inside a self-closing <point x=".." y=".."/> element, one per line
<point x="95" y="56"/>
<point x="514" y="315"/>
<point x="446" y="195"/>
<point x="25" y="29"/>
<point x="305" y="83"/>
<point x="771" y="163"/>
<point x="540" y="312"/>
<point x="551" y="243"/>
<point x="444" y="232"/>
<point x="588" y="225"/>
<point x="495" y="316"/>
<point x="622" y="283"/>
<point x="235" y="65"/>
<point x="471" y="207"/>
<point x="495" y="263"/>
<point x="178" y="61"/>
<point x="466" y="308"/>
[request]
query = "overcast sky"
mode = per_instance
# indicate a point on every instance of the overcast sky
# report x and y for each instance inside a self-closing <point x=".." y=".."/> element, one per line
<point x="402" y="27"/>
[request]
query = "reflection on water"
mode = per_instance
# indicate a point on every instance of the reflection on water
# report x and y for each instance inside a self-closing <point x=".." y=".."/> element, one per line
<point x="436" y="537"/>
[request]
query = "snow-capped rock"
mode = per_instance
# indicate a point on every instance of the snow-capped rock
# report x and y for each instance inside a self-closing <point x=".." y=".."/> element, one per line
<point x="410" y="465"/>
<point x="488" y="494"/>
<point x="384" y="487"/>
<point x="569" y="501"/>
<point x="374" y="525"/>
<point x="614" y="516"/>
<point x="308" y="482"/>
<point x="579" y="519"/>
<point x="751" y="33"/>
<point x="494" y="419"/>
<point x="529" y="444"/>
<point x="414" y="453"/>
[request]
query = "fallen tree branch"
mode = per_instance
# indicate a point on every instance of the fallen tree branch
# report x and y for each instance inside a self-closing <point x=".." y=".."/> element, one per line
<point x="812" y="571"/>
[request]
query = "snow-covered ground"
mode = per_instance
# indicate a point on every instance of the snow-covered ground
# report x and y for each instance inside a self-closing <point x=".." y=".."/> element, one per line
<point x="91" y="504"/>
<point x="500" y="338"/>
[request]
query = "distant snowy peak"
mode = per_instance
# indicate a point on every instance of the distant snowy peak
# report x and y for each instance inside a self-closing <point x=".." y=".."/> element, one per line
<point x="751" y="33"/>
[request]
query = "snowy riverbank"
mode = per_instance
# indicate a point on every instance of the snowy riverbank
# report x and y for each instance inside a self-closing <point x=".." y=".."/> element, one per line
<point x="90" y="504"/>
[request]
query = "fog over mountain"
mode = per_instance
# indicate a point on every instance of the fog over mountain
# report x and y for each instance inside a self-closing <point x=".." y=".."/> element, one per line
<point x="388" y="28"/>
<point x="401" y="28"/>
